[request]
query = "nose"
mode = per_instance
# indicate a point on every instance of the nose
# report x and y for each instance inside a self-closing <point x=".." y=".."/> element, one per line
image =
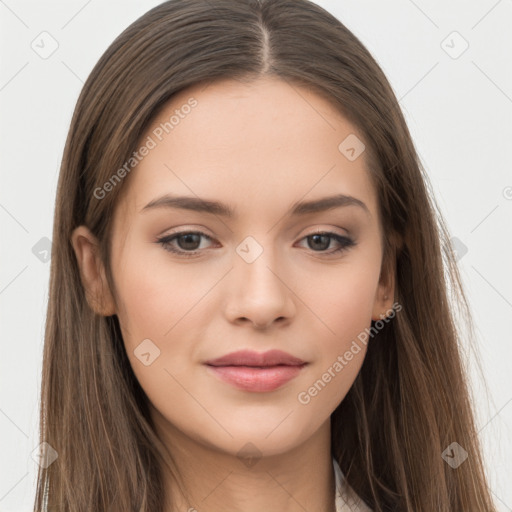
<point x="260" y="292"/>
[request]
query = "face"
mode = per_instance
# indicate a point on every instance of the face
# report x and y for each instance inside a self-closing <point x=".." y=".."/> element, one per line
<point x="242" y="266"/>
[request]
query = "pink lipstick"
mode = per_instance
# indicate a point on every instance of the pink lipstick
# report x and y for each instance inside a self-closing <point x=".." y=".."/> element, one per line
<point x="256" y="372"/>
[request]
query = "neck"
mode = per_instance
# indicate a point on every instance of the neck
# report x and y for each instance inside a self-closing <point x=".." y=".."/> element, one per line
<point x="295" y="480"/>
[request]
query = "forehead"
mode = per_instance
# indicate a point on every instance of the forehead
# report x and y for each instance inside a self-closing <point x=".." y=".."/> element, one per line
<point x="260" y="145"/>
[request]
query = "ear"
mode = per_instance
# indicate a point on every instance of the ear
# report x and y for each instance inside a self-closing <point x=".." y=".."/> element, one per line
<point x="92" y="272"/>
<point x="384" y="296"/>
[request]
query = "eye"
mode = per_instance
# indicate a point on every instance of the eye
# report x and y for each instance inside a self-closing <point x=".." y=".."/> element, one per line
<point x="320" y="241"/>
<point x="188" y="243"/>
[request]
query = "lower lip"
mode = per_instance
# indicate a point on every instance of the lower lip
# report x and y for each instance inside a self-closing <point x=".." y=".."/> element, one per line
<point x="256" y="379"/>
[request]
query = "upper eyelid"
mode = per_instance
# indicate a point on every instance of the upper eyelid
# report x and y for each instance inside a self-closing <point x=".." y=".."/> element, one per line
<point x="309" y="229"/>
<point x="326" y="231"/>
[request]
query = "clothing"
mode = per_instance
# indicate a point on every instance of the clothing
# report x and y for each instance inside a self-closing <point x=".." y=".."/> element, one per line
<point x="345" y="498"/>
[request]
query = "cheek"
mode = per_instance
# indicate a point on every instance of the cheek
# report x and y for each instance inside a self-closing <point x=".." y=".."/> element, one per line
<point x="150" y="300"/>
<point x="166" y="305"/>
<point x="156" y="306"/>
<point x="342" y="343"/>
<point x="342" y="296"/>
<point x="350" y="302"/>
<point x="343" y="301"/>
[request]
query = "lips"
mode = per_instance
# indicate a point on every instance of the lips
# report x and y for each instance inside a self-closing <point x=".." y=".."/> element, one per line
<point x="256" y="372"/>
<point x="255" y="359"/>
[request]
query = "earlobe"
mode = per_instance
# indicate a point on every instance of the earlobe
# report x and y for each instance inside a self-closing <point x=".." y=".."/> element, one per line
<point x="92" y="272"/>
<point x="384" y="297"/>
<point x="382" y="306"/>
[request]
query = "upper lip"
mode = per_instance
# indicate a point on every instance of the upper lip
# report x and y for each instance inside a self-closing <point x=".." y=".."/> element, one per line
<point x="251" y="358"/>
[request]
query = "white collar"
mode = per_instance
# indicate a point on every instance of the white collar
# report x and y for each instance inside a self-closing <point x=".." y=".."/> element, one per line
<point x="346" y="499"/>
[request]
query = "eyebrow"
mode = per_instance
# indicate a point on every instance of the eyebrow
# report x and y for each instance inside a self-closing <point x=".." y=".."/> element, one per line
<point x="216" y="208"/>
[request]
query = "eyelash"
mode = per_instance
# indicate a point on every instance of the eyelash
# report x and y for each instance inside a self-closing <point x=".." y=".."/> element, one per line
<point x="165" y="242"/>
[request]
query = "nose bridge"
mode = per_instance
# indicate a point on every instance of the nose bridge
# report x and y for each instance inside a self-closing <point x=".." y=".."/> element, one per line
<point x="260" y="293"/>
<point x="256" y="265"/>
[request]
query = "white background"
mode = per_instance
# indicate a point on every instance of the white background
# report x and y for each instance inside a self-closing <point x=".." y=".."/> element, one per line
<point x="459" y="111"/>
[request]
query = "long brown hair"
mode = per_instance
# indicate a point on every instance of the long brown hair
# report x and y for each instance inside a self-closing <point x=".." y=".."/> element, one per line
<point x="410" y="400"/>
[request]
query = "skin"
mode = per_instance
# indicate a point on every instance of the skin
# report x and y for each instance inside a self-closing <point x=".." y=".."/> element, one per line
<point x="259" y="148"/>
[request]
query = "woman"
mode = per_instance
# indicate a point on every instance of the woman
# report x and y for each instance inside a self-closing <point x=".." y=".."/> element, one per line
<point x="247" y="307"/>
